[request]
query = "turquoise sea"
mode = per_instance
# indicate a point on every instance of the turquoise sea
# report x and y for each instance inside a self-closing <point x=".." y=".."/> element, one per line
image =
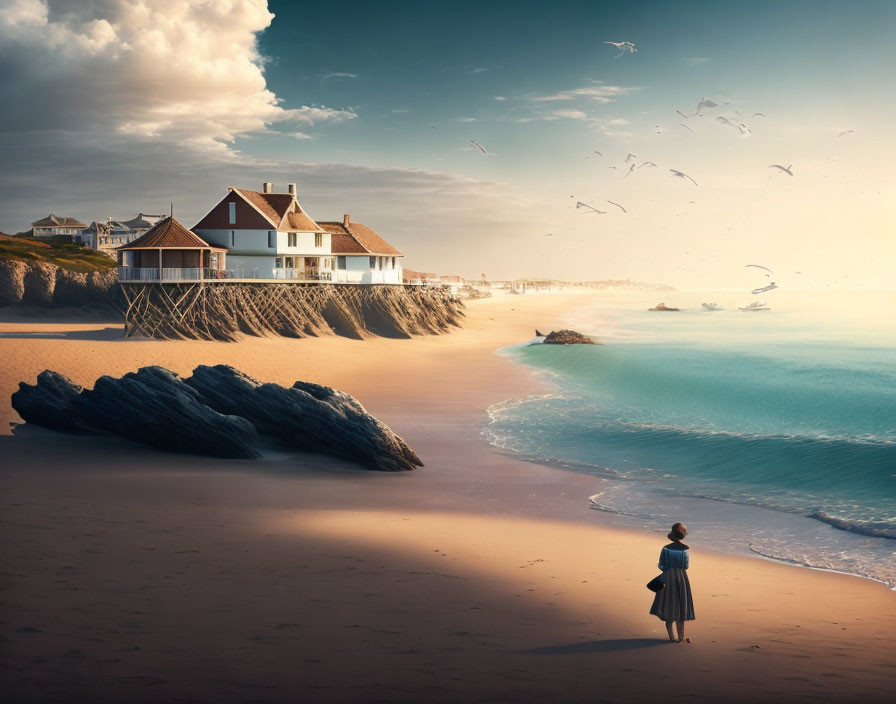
<point x="772" y="432"/>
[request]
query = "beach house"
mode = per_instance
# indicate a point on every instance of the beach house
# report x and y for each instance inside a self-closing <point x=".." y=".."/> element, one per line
<point x="269" y="235"/>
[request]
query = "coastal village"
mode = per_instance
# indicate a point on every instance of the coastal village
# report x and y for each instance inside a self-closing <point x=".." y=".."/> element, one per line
<point x="266" y="235"/>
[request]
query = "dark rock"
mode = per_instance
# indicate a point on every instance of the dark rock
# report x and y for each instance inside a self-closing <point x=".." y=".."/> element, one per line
<point x="155" y="407"/>
<point x="568" y="337"/>
<point x="539" y="334"/>
<point x="307" y="416"/>
<point x="219" y="411"/>
<point x="49" y="403"/>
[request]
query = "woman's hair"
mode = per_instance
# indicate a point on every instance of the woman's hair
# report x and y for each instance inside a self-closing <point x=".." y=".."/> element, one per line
<point x="678" y="532"/>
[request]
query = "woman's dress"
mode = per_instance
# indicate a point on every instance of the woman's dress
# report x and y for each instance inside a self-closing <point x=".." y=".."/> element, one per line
<point x="674" y="601"/>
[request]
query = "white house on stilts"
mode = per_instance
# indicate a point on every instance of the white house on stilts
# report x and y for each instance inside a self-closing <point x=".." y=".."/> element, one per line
<point x="269" y="235"/>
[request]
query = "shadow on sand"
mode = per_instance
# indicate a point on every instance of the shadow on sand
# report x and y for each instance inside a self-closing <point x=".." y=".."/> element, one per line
<point x="596" y="646"/>
<point x="112" y="333"/>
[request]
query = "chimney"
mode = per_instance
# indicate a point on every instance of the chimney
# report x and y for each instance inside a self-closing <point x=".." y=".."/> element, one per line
<point x="292" y="190"/>
<point x="346" y="220"/>
<point x="266" y="187"/>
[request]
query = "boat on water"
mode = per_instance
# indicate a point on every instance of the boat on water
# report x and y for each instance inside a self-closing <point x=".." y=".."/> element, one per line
<point x="662" y="306"/>
<point x="755" y="305"/>
<point x="711" y="306"/>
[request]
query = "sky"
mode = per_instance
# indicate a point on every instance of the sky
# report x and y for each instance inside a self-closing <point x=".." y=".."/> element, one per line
<point x="113" y="108"/>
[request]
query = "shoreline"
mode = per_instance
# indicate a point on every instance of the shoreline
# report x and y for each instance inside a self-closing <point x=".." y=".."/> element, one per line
<point x="477" y="577"/>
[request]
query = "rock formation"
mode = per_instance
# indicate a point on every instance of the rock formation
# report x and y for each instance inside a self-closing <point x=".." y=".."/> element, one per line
<point x="45" y="284"/>
<point x="569" y="337"/>
<point x="219" y="411"/>
<point x="307" y="417"/>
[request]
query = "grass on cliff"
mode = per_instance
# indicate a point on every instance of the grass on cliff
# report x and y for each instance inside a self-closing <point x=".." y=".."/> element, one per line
<point x="68" y="256"/>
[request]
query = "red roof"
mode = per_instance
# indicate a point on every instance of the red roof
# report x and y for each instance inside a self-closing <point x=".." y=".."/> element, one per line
<point x="356" y="239"/>
<point x="170" y="234"/>
<point x="281" y="209"/>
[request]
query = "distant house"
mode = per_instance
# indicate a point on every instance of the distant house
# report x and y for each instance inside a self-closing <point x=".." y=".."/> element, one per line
<point x="53" y="225"/>
<point x="142" y="223"/>
<point x="270" y="236"/>
<point x="110" y="235"/>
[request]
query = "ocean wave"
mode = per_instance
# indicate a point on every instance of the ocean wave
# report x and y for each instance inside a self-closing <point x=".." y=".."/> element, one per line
<point x="870" y="528"/>
<point x="867" y="569"/>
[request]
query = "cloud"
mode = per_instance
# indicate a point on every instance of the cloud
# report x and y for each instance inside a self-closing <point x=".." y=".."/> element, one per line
<point x="696" y="60"/>
<point x="300" y="135"/>
<point x="600" y="92"/>
<point x="479" y="70"/>
<point x="185" y="72"/>
<point x="465" y="119"/>
<point x="500" y="97"/>
<point x="330" y="76"/>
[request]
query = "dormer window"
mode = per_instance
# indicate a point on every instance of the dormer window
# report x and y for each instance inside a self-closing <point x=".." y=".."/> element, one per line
<point x="232" y="213"/>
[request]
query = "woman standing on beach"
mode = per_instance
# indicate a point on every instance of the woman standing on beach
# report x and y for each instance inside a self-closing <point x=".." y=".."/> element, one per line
<point x="673" y="603"/>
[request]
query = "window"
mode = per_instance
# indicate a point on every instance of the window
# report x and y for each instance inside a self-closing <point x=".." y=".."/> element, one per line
<point x="318" y="239"/>
<point x="270" y="239"/>
<point x="232" y="213"/>
<point x="232" y="238"/>
<point x="291" y="239"/>
<point x="278" y="262"/>
<point x="393" y="262"/>
<point x="373" y="262"/>
<point x="340" y="263"/>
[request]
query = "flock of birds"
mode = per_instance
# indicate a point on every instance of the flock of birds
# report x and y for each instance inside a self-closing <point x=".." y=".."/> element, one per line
<point x="705" y="107"/>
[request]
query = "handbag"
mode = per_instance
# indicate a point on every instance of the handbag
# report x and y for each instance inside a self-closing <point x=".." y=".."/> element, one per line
<point x="657" y="584"/>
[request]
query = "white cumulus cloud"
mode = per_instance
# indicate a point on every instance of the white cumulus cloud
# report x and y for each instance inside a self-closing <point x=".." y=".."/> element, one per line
<point x="186" y="71"/>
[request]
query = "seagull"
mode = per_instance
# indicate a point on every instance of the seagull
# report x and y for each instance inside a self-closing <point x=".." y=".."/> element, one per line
<point x="683" y="115"/>
<point x="630" y="169"/>
<point x="647" y="163"/>
<point x="550" y="234"/>
<point x="624" y="47"/>
<point x="580" y="204"/>
<point x="785" y="170"/>
<point x="618" y="206"/>
<point x="478" y="146"/>
<point x="704" y="103"/>
<point x="686" y="127"/>
<point x="631" y="156"/>
<point x="681" y="174"/>
<point x="435" y="127"/>
<point x="758" y="114"/>
<point x="845" y="132"/>
<point x="740" y="126"/>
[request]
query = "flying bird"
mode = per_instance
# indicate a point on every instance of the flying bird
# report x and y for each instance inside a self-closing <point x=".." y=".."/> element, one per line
<point x="687" y="128"/>
<point x="681" y="174"/>
<point x="845" y="132"/>
<point x="435" y="127"/>
<point x="478" y="146"/>
<point x="618" y="206"/>
<point x="740" y="126"/>
<point x="580" y="204"/>
<point x="758" y="114"/>
<point x="646" y="163"/>
<point x="758" y="266"/>
<point x="624" y="47"/>
<point x="683" y="115"/>
<point x="785" y="170"/>
<point x="631" y="156"/>
<point x="630" y="169"/>
<point x="704" y="103"/>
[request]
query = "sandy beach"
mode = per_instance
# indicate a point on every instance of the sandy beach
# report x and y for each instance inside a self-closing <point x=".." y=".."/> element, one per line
<point x="136" y="575"/>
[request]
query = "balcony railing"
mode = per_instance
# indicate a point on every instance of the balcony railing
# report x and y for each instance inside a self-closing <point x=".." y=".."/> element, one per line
<point x="129" y="273"/>
<point x="151" y="274"/>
